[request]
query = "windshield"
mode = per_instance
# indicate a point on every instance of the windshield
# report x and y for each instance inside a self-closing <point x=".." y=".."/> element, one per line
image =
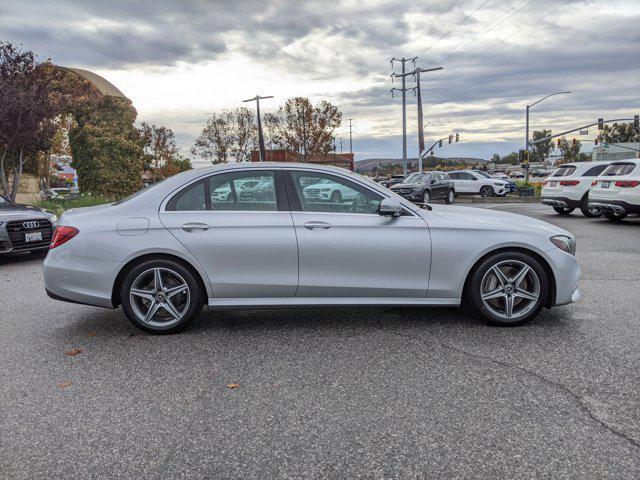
<point x="417" y="177"/>
<point x="564" y="171"/>
<point x="484" y="174"/>
<point x="618" y="169"/>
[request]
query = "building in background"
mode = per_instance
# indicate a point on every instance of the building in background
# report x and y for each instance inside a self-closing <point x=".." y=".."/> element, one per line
<point x="343" y="160"/>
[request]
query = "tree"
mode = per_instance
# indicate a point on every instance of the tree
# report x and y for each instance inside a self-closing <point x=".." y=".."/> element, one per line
<point x="228" y="134"/>
<point x="176" y="165"/>
<point x="619" y="133"/>
<point x="541" y="151"/>
<point x="28" y="106"/>
<point x="495" y="158"/>
<point x="159" y="148"/>
<point x="570" y="150"/>
<point x="301" y="127"/>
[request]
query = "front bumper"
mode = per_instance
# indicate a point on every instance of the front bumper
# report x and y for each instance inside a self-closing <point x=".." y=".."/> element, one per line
<point x="567" y="273"/>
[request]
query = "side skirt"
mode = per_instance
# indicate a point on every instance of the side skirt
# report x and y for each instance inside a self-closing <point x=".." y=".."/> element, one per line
<point x="222" y="303"/>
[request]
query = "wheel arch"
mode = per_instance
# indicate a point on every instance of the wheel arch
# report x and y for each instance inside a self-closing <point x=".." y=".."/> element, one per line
<point x="115" y="292"/>
<point x="551" y="299"/>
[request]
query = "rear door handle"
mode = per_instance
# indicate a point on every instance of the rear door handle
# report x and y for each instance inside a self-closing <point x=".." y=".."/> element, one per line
<point x="317" y="225"/>
<point x="190" y="227"/>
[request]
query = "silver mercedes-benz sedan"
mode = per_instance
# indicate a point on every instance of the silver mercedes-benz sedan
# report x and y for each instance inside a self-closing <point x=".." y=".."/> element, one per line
<point x="273" y="239"/>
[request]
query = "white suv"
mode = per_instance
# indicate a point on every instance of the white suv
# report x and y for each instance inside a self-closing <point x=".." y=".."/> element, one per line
<point x="617" y="190"/>
<point x="469" y="182"/>
<point x="568" y="188"/>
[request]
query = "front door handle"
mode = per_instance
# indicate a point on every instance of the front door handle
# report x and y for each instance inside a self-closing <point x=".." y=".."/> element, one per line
<point x="317" y="225"/>
<point x="190" y="227"/>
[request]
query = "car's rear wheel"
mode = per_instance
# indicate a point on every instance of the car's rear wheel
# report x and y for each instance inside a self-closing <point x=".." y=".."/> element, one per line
<point x="508" y="288"/>
<point x="161" y="296"/>
<point x="563" y="210"/>
<point x="590" y="212"/>
<point x="614" y="216"/>
<point x="487" y="191"/>
<point x="451" y="196"/>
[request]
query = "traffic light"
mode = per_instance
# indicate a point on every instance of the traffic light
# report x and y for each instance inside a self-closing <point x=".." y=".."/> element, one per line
<point x="524" y="156"/>
<point x="559" y="142"/>
<point x="574" y="142"/>
<point x="440" y="143"/>
<point x="600" y="123"/>
<point x="596" y="141"/>
<point x="457" y="137"/>
<point x="636" y="121"/>
<point x="450" y="138"/>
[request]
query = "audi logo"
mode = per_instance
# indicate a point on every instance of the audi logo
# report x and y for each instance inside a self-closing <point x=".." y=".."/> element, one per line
<point x="32" y="224"/>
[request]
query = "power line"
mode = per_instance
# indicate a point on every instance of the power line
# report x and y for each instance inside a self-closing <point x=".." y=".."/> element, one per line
<point x="464" y="19"/>
<point x="441" y="15"/>
<point x="514" y="34"/>
<point x="492" y="26"/>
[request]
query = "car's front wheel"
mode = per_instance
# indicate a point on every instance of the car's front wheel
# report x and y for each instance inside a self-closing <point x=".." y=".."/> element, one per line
<point x="451" y="196"/>
<point x="426" y="196"/>
<point x="563" y="210"/>
<point x="161" y="296"/>
<point x="614" y="216"/>
<point x="508" y="288"/>
<point x="487" y="191"/>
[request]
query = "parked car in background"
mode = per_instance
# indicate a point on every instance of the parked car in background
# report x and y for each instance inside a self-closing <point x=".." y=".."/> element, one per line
<point x="500" y="176"/>
<point x="470" y="182"/>
<point x="517" y="174"/>
<point x="59" y="193"/>
<point x="24" y="228"/>
<point x="567" y="188"/>
<point x="171" y="249"/>
<point x="617" y="190"/>
<point x="540" y="173"/>
<point x="512" y="186"/>
<point x="425" y="187"/>
<point x="392" y="180"/>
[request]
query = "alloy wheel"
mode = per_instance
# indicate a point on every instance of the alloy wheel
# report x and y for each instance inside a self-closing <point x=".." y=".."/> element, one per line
<point x="160" y="297"/>
<point x="426" y="198"/>
<point x="510" y="289"/>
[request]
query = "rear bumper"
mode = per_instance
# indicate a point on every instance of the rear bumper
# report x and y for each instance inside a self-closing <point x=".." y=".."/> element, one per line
<point x="614" y="206"/>
<point x="562" y="202"/>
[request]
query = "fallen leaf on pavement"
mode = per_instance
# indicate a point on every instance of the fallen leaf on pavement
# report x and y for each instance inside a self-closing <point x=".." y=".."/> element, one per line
<point x="233" y="385"/>
<point x="65" y="384"/>
<point x="73" y="352"/>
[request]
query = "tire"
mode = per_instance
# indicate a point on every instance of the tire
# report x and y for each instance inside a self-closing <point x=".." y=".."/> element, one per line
<point x="487" y="191"/>
<point x="450" y="198"/>
<point x="483" y="282"/>
<point x="186" y="303"/>
<point x="590" y="213"/>
<point x="614" y="216"/>
<point x="563" y="210"/>
<point x="426" y="196"/>
<point x="336" y="197"/>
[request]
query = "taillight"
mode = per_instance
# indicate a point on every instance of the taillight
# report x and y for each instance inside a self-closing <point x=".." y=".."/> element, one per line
<point x="62" y="234"/>
<point x="569" y="183"/>
<point x="627" y="183"/>
<point x="594" y="183"/>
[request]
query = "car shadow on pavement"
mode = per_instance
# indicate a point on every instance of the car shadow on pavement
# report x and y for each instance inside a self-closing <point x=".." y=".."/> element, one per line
<point x="23" y="257"/>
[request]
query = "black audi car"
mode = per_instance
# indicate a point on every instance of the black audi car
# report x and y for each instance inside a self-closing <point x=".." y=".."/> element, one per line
<point x="425" y="187"/>
<point x="24" y="228"/>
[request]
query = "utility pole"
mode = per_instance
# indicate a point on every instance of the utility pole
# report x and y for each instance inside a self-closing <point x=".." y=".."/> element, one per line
<point x="403" y="61"/>
<point x="416" y="73"/>
<point x="350" y="137"/>
<point x="257" y="99"/>
<point x="340" y="145"/>
<point x="304" y="134"/>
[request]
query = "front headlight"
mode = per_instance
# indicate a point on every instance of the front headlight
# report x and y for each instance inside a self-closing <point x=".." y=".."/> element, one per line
<point x="54" y="218"/>
<point x="564" y="243"/>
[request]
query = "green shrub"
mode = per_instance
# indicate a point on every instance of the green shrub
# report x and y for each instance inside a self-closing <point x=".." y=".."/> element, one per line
<point x="59" y="206"/>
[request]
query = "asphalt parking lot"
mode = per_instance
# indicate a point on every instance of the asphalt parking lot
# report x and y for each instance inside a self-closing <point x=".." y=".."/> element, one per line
<point x="337" y="393"/>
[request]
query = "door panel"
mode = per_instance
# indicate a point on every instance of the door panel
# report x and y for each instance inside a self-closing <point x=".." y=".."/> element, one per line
<point x="346" y="249"/>
<point x="246" y="244"/>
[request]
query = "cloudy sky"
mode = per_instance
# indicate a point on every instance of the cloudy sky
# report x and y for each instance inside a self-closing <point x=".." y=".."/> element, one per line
<point x="180" y="60"/>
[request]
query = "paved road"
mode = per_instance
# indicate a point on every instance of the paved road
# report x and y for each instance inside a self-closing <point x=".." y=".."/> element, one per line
<point x="340" y="393"/>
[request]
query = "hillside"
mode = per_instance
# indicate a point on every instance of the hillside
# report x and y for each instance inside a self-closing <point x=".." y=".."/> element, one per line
<point x="367" y="164"/>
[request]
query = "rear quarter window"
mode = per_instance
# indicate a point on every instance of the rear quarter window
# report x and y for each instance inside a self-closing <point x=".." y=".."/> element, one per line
<point x="594" y="171"/>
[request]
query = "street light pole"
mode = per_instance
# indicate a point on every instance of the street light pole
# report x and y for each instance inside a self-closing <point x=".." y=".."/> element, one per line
<point x="261" y="149"/>
<point x="526" y="140"/>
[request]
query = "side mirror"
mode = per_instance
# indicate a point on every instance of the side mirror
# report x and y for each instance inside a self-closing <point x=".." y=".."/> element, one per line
<point x="433" y="180"/>
<point x="390" y="207"/>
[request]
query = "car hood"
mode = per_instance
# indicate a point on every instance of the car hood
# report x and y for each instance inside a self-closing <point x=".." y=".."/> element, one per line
<point x="406" y="185"/>
<point x="17" y="212"/>
<point x="496" y="218"/>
